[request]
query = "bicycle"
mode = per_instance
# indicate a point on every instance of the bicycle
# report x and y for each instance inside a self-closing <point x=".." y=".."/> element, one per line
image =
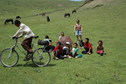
<point x="9" y="57"/>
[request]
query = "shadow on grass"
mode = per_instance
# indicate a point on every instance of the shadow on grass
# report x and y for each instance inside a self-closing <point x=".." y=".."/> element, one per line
<point x="32" y="65"/>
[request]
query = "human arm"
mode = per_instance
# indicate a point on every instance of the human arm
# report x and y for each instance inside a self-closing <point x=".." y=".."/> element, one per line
<point x="19" y="33"/>
<point x="90" y="48"/>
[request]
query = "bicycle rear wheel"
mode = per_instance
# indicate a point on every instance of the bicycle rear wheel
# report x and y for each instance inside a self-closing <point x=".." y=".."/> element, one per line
<point x="9" y="57"/>
<point x="41" y="58"/>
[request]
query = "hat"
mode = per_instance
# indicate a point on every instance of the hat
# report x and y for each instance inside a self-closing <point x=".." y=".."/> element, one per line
<point x="68" y="43"/>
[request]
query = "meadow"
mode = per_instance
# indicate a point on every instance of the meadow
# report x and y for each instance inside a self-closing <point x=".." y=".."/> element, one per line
<point x="106" y="22"/>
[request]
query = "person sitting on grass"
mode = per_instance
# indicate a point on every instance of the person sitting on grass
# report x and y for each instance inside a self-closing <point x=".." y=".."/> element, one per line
<point x="67" y="50"/>
<point x="61" y="35"/>
<point x="25" y="31"/>
<point x="50" y="47"/>
<point x="87" y="46"/>
<point x="57" y="52"/>
<point x="75" y="50"/>
<point x="100" y="48"/>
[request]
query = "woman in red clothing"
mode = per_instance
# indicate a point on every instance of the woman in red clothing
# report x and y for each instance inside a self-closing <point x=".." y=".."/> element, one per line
<point x="87" y="46"/>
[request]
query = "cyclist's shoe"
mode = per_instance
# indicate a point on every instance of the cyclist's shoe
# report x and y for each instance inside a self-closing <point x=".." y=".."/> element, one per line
<point x="25" y="59"/>
<point x="28" y="57"/>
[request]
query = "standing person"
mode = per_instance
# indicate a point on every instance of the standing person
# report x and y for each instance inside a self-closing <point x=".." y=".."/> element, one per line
<point x="61" y="35"/>
<point x="78" y="30"/>
<point x="87" y="47"/>
<point x="28" y="34"/>
<point x="100" y="48"/>
<point x="57" y="52"/>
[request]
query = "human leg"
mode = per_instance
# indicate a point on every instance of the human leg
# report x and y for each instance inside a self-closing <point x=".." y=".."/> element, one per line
<point x="26" y="44"/>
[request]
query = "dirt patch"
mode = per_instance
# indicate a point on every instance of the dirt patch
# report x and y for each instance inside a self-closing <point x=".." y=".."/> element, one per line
<point x="60" y="5"/>
<point x="96" y="3"/>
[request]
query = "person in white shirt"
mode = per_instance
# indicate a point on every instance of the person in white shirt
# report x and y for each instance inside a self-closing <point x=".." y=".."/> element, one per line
<point x="28" y="34"/>
<point x="61" y="35"/>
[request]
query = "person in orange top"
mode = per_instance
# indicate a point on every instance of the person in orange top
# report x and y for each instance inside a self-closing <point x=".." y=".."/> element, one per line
<point x="87" y="46"/>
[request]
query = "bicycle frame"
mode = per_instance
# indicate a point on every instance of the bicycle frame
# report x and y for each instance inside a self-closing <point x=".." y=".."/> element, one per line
<point x="16" y="46"/>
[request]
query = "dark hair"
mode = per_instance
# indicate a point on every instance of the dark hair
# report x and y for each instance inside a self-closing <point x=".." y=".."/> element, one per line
<point x="76" y="44"/>
<point x="47" y="37"/>
<point x="78" y="21"/>
<point x="59" y="43"/>
<point x="62" y="32"/>
<point x="17" y="22"/>
<point x="87" y="39"/>
<point x="100" y="41"/>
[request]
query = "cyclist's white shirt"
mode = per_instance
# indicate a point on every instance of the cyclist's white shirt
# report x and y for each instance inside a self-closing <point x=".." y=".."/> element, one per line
<point x="24" y="31"/>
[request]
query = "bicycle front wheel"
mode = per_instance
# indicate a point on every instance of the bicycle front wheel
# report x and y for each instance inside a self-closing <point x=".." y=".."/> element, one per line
<point x="9" y="57"/>
<point x="41" y="58"/>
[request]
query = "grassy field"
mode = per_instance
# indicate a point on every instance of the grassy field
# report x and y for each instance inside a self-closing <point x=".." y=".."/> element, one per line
<point x="105" y="23"/>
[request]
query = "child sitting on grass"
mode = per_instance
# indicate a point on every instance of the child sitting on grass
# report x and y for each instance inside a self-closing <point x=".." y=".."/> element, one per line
<point x="87" y="47"/>
<point x="100" y="48"/>
<point x="67" y="50"/>
<point x="75" y="50"/>
<point x="50" y="47"/>
<point x="57" y="52"/>
<point x="61" y="35"/>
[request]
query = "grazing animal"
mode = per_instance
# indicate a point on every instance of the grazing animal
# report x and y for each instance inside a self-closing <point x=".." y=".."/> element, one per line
<point x="74" y="11"/>
<point x="8" y="20"/>
<point x="43" y="14"/>
<point x="48" y="19"/>
<point x="66" y="15"/>
<point x="18" y="17"/>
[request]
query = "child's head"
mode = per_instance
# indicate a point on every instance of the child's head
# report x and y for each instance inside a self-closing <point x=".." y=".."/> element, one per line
<point x="62" y="33"/>
<point x="100" y="42"/>
<point x="17" y="23"/>
<point x="46" y="37"/>
<point x="67" y="44"/>
<point x="75" y="45"/>
<point x="86" y="40"/>
<point x="58" y="44"/>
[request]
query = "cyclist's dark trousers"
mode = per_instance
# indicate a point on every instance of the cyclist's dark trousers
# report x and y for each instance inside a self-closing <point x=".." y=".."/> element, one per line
<point x="26" y="44"/>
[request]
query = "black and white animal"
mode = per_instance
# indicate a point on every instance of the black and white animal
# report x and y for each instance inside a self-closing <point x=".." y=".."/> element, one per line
<point x="18" y="17"/>
<point x="74" y="11"/>
<point x="8" y="20"/>
<point x="48" y="19"/>
<point x="66" y="15"/>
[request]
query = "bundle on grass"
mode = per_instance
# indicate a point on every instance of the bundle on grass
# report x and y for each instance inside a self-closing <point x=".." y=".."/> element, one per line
<point x="65" y="39"/>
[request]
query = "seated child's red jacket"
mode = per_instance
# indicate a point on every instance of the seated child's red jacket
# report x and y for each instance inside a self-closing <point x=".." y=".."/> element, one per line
<point x="58" y="48"/>
<point x="87" y="45"/>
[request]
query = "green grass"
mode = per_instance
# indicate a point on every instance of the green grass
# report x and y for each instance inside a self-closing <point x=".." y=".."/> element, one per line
<point x="105" y="23"/>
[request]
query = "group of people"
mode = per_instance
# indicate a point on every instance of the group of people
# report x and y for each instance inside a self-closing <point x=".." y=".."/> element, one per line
<point x="87" y="45"/>
<point x="58" y="52"/>
<point x="61" y="52"/>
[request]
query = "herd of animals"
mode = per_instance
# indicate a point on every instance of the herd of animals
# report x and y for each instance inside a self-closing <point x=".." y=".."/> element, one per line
<point x="42" y="14"/>
<point x="66" y="15"/>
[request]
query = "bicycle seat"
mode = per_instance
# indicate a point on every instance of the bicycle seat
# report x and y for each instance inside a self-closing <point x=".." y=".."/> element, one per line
<point x="35" y="37"/>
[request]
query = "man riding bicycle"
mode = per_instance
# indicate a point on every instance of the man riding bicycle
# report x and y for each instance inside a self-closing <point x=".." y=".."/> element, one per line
<point x="28" y="34"/>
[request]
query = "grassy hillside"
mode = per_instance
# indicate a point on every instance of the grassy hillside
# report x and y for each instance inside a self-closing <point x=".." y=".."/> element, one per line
<point x="12" y="8"/>
<point x="106" y="23"/>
